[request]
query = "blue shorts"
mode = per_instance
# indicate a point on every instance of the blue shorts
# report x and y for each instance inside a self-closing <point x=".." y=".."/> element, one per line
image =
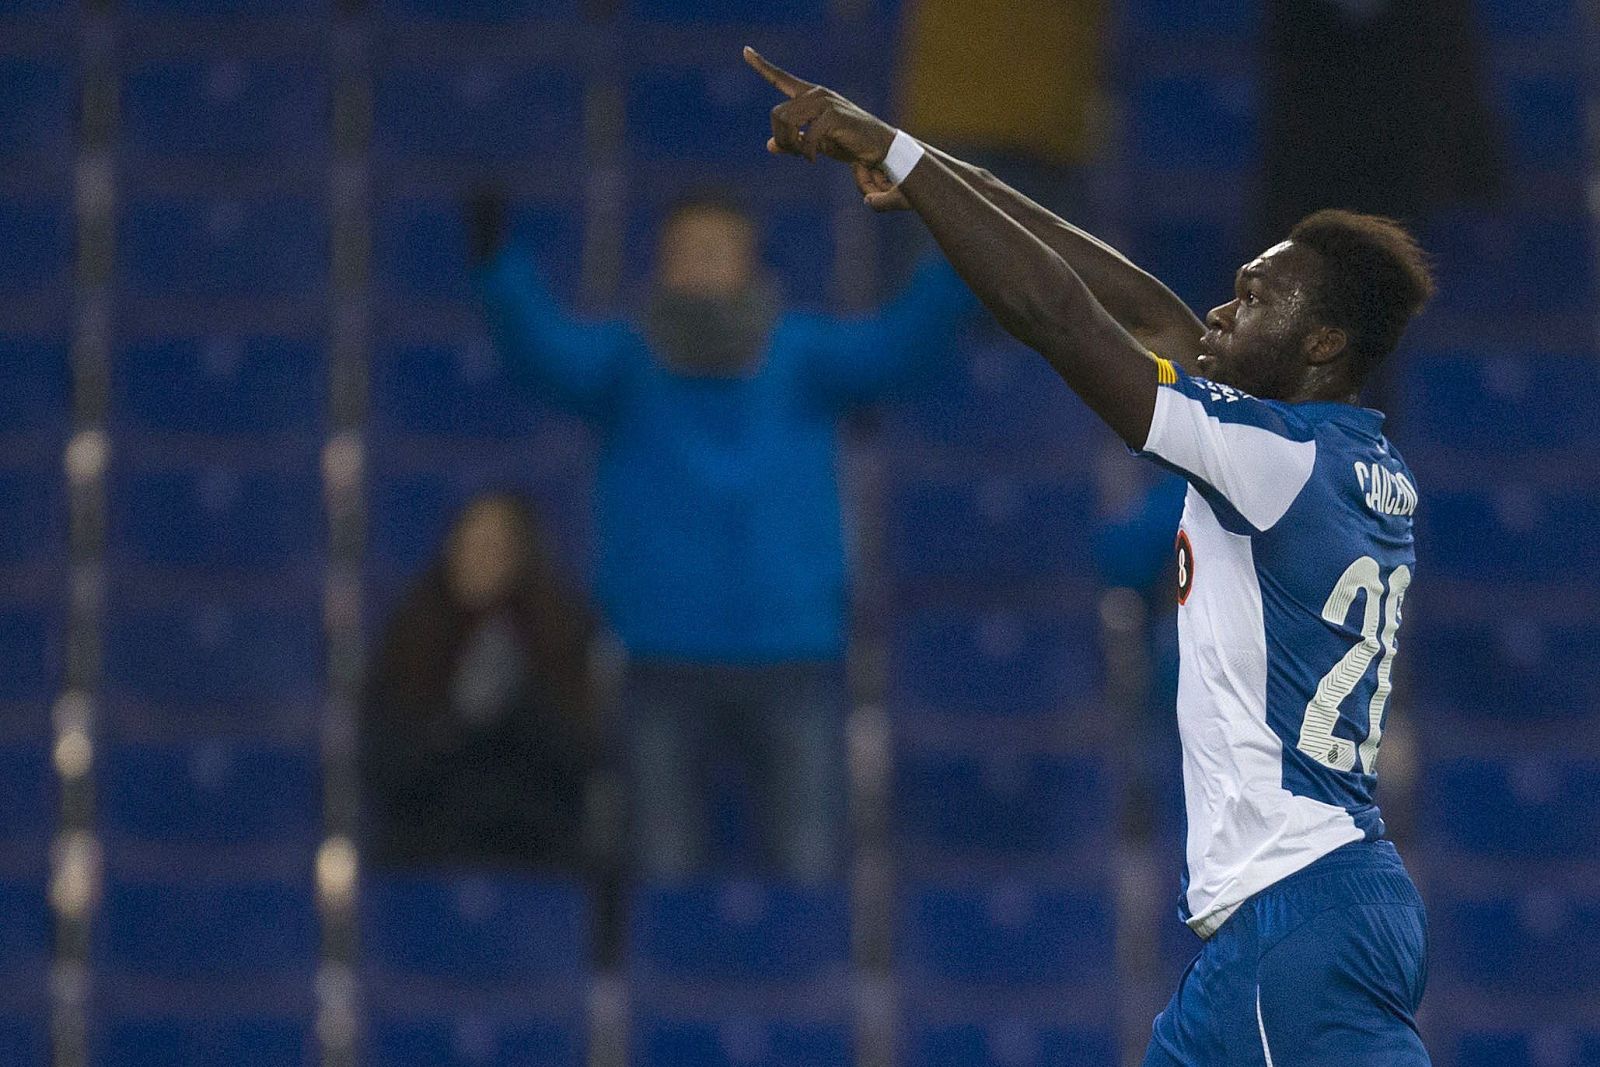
<point x="1326" y="966"/>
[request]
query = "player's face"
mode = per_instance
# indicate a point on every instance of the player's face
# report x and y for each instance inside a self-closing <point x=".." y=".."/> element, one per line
<point x="1255" y="341"/>
<point x="707" y="253"/>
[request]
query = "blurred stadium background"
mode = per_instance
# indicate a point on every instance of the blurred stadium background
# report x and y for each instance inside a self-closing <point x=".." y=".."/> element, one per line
<point x="243" y="387"/>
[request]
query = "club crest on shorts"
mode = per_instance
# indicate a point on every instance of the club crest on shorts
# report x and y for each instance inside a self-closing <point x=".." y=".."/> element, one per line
<point x="1185" y="554"/>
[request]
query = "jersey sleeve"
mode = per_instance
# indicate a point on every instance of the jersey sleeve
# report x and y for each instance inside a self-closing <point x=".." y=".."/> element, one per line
<point x="1248" y="454"/>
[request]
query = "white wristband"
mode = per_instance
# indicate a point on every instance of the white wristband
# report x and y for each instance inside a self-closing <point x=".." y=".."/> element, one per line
<point x="904" y="154"/>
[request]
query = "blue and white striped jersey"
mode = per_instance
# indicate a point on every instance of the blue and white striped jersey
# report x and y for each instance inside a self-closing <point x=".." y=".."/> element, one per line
<point x="1294" y="556"/>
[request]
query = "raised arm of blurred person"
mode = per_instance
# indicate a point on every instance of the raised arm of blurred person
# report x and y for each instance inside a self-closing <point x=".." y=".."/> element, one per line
<point x="1139" y="302"/>
<point x="576" y="364"/>
<point x="856" y="359"/>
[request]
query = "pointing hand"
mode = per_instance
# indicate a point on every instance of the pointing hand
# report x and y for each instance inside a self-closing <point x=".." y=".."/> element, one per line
<point x="816" y="121"/>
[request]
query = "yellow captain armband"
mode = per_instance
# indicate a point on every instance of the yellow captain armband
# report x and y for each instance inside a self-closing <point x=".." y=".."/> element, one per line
<point x="1166" y="373"/>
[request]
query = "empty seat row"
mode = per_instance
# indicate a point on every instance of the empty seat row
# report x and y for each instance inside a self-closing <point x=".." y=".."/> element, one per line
<point x="1516" y="532"/>
<point x="1002" y="806"/>
<point x="189" y="651"/>
<point x="1508" y="670"/>
<point x="1532" y="806"/>
<point x="982" y="526"/>
<point x="227" y="108"/>
<point x="1510" y="401"/>
<point x="998" y="397"/>
<point x="37" y="233"/>
<point x="980" y="662"/>
<point x="36" y="108"/>
<point x="1528" y="1045"/>
<point x="1530" y="942"/>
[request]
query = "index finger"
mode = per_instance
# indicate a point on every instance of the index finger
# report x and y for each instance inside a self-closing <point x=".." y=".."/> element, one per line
<point x="780" y="79"/>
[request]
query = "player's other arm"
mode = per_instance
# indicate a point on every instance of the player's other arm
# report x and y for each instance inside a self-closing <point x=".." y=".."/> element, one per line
<point x="1138" y="300"/>
<point x="1026" y="285"/>
<point x="1037" y="296"/>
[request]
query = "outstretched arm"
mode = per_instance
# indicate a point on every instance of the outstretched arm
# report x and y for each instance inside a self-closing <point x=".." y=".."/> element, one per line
<point x="575" y="364"/>
<point x="1138" y="300"/>
<point x="1029" y="288"/>
<point x="857" y="359"/>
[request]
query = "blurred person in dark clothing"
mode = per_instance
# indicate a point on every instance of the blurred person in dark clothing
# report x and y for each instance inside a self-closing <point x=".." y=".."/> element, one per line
<point x="722" y="563"/>
<point x="477" y="729"/>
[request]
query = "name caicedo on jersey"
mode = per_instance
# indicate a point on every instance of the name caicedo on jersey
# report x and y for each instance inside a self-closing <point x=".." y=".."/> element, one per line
<point x="1387" y="492"/>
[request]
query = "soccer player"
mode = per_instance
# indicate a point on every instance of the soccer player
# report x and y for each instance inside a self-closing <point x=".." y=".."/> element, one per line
<point x="1294" y="556"/>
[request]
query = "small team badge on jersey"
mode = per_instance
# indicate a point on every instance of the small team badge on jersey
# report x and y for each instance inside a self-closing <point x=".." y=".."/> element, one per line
<point x="1185" y="552"/>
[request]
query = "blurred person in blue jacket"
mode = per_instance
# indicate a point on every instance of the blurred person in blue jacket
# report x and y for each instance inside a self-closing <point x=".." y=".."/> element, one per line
<point x="722" y="560"/>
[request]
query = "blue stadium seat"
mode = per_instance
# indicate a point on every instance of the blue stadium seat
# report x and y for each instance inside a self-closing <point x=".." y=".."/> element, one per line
<point x="995" y="663"/>
<point x="35" y="388"/>
<point x="740" y="934"/>
<point x="478" y="111"/>
<point x="980" y="526"/>
<point x="1510" y="265"/>
<point x="25" y="1037"/>
<point x="450" y="388"/>
<point x="1530" y="1046"/>
<point x="1234" y="20"/>
<point x="221" y="928"/>
<point x="1529" y="18"/>
<point x="770" y="12"/>
<point x="1006" y="1041"/>
<point x="221" y="385"/>
<point x="698" y="112"/>
<point x="475" y="929"/>
<point x="476" y="10"/>
<point x="420" y="248"/>
<point x="229" y="8"/>
<point x="465" y="1039"/>
<point x="37" y="235"/>
<point x="412" y="505"/>
<point x="740" y="1039"/>
<point x="1194" y="122"/>
<point x="33" y="648"/>
<point x="1003" y="805"/>
<point x="27" y="794"/>
<point x="36" y="108"/>
<point x="1546" y="120"/>
<point x="209" y="247"/>
<point x="217" y="515"/>
<point x="34" y="501"/>
<point x="242" y="1038"/>
<point x="198" y="654"/>
<point x="1510" y="401"/>
<point x="1536" y="807"/>
<point x="1537" y="942"/>
<point x="1194" y="255"/>
<point x="26" y="930"/>
<point x="227" y="108"/>
<point x="1517" y="533"/>
<point x="999" y="396"/>
<point x="215" y="793"/>
<point x="1003" y="935"/>
<point x="797" y="245"/>
<point x="30" y="8"/>
<point x="1518" y="668"/>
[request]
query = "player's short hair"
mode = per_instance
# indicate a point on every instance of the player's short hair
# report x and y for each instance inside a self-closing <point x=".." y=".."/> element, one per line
<point x="1375" y="278"/>
<point x="713" y="199"/>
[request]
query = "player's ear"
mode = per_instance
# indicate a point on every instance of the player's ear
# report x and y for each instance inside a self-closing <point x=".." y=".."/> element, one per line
<point x="1324" y="344"/>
